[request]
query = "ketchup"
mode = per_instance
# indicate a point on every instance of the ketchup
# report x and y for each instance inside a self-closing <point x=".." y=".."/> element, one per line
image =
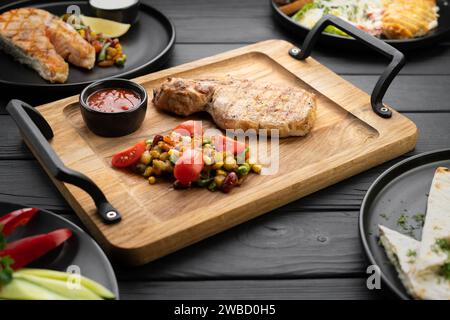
<point x="113" y="100"/>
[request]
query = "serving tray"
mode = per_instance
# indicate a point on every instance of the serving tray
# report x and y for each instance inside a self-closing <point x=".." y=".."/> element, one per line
<point x="348" y="138"/>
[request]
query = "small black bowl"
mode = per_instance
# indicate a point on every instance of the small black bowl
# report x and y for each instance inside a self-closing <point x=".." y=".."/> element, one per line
<point x="109" y="124"/>
<point x="128" y="14"/>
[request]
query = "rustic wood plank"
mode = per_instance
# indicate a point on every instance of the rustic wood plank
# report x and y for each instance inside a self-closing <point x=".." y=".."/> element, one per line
<point x="307" y="289"/>
<point x="407" y="93"/>
<point x="287" y="243"/>
<point x="427" y="93"/>
<point x="354" y="144"/>
<point x="436" y="61"/>
<point x="25" y="181"/>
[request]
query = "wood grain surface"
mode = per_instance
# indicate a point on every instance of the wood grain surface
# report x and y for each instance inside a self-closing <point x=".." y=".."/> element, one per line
<point x="347" y="138"/>
<point x="206" y="269"/>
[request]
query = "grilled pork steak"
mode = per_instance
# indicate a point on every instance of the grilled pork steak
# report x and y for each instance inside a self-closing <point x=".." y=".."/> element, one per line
<point x="241" y="104"/>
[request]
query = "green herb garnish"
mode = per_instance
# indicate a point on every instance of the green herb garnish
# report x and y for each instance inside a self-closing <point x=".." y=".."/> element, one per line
<point x="411" y="253"/>
<point x="419" y="218"/>
<point x="6" y="272"/>
<point x="402" y="221"/>
<point x="445" y="271"/>
<point x="443" y="244"/>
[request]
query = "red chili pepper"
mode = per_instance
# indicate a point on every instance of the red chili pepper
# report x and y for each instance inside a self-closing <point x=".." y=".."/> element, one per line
<point x="10" y="221"/>
<point x="27" y="250"/>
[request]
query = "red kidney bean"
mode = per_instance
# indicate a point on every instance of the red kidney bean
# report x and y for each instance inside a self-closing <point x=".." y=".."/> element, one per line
<point x="157" y="139"/>
<point x="230" y="182"/>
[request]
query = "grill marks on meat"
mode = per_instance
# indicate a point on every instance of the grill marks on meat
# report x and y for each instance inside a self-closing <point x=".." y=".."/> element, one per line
<point x="42" y="41"/>
<point x="241" y="104"/>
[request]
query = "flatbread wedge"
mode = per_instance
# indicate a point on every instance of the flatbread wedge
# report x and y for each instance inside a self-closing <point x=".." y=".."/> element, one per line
<point x="436" y="230"/>
<point x="401" y="251"/>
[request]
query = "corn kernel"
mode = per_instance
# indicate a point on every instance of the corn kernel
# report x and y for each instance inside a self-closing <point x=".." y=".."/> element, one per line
<point x="218" y="180"/>
<point x="147" y="172"/>
<point x="154" y="154"/>
<point x="221" y="172"/>
<point x="146" y="158"/>
<point x="257" y="168"/>
<point x="151" y="180"/>
<point x="207" y="160"/>
<point x="164" y="156"/>
<point x="217" y="165"/>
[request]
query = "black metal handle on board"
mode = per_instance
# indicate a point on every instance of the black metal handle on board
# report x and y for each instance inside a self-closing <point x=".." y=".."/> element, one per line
<point x="383" y="83"/>
<point x="36" y="131"/>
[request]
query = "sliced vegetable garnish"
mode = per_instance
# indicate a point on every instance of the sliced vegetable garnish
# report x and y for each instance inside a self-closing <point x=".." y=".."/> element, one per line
<point x="27" y="250"/>
<point x="189" y="128"/>
<point x="188" y="166"/>
<point x="95" y="287"/>
<point x="10" y="221"/>
<point x="129" y="156"/>
<point x="224" y="143"/>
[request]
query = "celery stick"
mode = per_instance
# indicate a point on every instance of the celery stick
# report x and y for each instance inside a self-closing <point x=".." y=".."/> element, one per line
<point x="58" y="275"/>
<point x="60" y="287"/>
<point x="20" y="289"/>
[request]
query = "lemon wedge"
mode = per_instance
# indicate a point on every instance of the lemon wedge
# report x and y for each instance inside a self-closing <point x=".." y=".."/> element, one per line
<point x="109" y="28"/>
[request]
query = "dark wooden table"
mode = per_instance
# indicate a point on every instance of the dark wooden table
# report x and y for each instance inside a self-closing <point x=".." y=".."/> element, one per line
<point x="309" y="249"/>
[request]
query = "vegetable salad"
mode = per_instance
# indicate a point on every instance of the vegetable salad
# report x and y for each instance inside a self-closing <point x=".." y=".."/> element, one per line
<point x="108" y="50"/>
<point x="191" y="158"/>
<point x="364" y="14"/>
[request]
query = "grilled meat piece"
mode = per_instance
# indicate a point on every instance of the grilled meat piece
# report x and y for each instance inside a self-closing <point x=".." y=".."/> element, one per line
<point x="42" y="41"/>
<point x="183" y="96"/>
<point x="241" y="104"/>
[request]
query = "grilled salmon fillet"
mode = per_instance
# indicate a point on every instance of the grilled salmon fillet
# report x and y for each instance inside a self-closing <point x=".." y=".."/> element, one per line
<point x="241" y="104"/>
<point x="43" y="41"/>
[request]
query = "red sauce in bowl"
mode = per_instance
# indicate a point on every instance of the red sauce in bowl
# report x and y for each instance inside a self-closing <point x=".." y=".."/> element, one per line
<point x="113" y="100"/>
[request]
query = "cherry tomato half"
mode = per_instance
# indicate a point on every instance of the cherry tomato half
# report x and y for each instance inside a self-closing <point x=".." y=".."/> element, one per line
<point x="223" y="143"/>
<point x="189" y="128"/>
<point x="188" y="166"/>
<point x="129" y="156"/>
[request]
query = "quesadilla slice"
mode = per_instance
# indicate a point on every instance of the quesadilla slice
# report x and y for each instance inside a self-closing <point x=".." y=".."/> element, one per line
<point x="434" y="253"/>
<point x="402" y="251"/>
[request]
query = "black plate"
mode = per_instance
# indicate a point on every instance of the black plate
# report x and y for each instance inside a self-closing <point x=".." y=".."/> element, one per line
<point x="80" y="250"/>
<point x="337" y="41"/>
<point x="402" y="189"/>
<point x="147" y="44"/>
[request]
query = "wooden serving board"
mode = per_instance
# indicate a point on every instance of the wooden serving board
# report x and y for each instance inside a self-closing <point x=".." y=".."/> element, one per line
<point x="348" y="138"/>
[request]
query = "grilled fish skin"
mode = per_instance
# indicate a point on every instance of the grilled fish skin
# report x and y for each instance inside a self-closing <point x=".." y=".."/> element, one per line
<point x="42" y="41"/>
<point x="241" y="104"/>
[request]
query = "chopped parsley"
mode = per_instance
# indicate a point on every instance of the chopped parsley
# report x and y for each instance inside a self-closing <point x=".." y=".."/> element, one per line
<point x="402" y="221"/>
<point x="409" y="228"/>
<point x="411" y="253"/>
<point x="445" y="271"/>
<point x="419" y="218"/>
<point x="443" y="244"/>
